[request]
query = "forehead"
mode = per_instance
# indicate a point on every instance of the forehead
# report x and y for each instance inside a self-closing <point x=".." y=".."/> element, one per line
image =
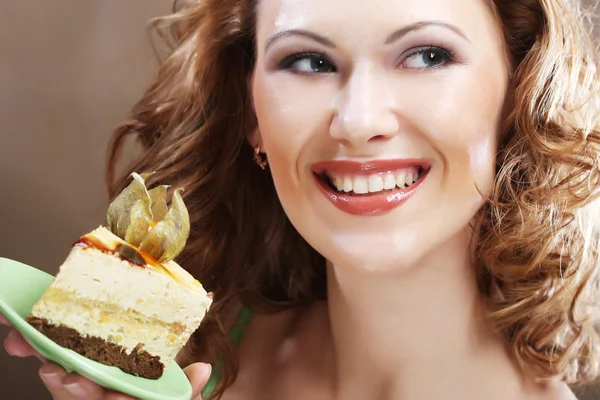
<point x="372" y="18"/>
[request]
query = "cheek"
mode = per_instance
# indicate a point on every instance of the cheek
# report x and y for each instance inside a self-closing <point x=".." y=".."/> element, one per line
<point x="276" y="114"/>
<point x="482" y="162"/>
<point x="466" y="134"/>
<point x="286" y="122"/>
<point x="470" y="164"/>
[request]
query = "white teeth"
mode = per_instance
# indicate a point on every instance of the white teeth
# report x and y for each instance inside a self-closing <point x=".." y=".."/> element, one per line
<point x="411" y="178"/>
<point x="360" y="184"/>
<point x="347" y="184"/>
<point x="339" y="183"/>
<point x="389" y="182"/>
<point x="400" y="179"/>
<point x="375" y="183"/>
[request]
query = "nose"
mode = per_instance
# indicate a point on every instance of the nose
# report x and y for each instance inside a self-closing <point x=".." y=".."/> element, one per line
<point x="364" y="110"/>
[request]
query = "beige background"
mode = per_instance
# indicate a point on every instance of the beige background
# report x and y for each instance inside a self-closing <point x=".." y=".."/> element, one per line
<point x="69" y="72"/>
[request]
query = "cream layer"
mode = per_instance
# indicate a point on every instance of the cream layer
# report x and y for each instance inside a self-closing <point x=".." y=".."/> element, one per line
<point x="126" y="329"/>
<point x="140" y="303"/>
<point x="104" y="238"/>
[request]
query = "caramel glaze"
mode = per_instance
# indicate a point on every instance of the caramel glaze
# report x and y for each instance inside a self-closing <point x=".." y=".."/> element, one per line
<point x="124" y="251"/>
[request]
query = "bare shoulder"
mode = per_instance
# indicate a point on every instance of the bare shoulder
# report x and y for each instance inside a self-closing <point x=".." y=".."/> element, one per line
<point x="281" y="353"/>
<point x="555" y="391"/>
<point x="564" y="393"/>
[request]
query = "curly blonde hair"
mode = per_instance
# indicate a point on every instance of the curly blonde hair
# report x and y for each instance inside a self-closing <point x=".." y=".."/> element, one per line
<point x="538" y="235"/>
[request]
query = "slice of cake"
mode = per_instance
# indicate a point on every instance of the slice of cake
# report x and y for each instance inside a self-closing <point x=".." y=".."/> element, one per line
<point x="119" y="298"/>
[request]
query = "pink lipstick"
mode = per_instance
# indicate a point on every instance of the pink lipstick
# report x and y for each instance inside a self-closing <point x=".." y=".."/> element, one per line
<point x="370" y="188"/>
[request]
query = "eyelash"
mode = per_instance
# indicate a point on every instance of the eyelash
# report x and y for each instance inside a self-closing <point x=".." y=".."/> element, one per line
<point x="448" y="55"/>
<point x="287" y="62"/>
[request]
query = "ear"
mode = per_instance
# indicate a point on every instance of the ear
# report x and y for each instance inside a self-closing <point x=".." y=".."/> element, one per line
<point x="253" y="134"/>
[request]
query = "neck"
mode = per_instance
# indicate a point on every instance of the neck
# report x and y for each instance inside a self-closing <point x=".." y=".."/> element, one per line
<point x="394" y="334"/>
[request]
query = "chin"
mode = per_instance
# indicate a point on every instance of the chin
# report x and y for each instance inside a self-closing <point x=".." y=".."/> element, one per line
<point x="429" y="227"/>
<point x="385" y="254"/>
<point x="400" y="248"/>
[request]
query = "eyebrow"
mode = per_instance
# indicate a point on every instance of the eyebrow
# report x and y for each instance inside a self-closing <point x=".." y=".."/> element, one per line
<point x="397" y="34"/>
<point x="299" y="32"/>
<point x="394" y="36"/>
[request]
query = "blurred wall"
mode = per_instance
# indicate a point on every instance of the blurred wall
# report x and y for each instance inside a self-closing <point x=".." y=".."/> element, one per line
<point x="69" y="72"/>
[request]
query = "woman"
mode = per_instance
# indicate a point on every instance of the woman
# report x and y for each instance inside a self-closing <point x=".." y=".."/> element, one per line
<point x="393" y="199"/>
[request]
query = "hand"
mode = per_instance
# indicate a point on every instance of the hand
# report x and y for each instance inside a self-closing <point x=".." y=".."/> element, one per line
<point x="65" y="386"/>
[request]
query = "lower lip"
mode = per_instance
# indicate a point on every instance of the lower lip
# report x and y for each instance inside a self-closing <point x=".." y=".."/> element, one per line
<point x="369" y="204"/>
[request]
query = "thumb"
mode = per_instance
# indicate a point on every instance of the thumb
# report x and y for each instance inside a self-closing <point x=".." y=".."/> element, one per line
<point x="198" y="374"/>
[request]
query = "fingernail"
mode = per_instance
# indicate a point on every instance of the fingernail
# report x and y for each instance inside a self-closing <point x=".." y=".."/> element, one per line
<point x="76" y="390"/>
<point x="6" y="348"/>
<point x="11" y="337"/>
<point x="51" y="379"/>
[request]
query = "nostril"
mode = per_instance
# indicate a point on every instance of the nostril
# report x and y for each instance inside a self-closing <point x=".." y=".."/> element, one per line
<point x="379" y="138"/>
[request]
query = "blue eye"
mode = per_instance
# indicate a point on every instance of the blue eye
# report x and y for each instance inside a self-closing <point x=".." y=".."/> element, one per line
<point x="427" y="57"/>
<point x="307" y="63"/>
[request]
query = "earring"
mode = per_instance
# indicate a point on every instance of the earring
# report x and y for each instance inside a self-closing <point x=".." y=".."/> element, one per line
<point x="259" y="159"/>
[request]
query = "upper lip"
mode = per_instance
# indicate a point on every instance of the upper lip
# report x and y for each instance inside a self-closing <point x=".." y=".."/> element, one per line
<point x="368" y="167"/>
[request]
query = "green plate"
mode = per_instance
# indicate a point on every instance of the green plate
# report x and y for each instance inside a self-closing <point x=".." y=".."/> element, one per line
<point x="21" y="286"/>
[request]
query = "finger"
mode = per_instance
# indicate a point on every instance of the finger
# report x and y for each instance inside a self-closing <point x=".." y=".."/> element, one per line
<point x="65" y="386"/>
<point x="17" y="346"/>
<point x="117" y="396"/>
<point x="52" y="376"/>
<point x="79" y="387"/>
<point x="198" y="374"/>
<point x="4" y="321"/>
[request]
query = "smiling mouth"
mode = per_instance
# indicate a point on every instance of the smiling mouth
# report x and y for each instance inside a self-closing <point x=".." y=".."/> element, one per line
<point x="373" y="183"/>
<point x="370" y="188"/>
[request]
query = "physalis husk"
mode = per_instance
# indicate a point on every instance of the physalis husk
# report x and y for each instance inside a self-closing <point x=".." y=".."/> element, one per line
<point x="142" y="219"/>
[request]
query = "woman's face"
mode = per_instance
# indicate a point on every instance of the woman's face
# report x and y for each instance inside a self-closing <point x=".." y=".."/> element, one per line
<point x="379" y="119"/>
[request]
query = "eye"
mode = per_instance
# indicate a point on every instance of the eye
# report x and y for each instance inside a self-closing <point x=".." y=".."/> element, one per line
<point x="427" y="57"/>
<point x="307" y="63"/>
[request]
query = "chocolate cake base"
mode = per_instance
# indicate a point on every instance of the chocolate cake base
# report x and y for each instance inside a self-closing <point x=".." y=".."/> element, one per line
<point x="138" y="362"/>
